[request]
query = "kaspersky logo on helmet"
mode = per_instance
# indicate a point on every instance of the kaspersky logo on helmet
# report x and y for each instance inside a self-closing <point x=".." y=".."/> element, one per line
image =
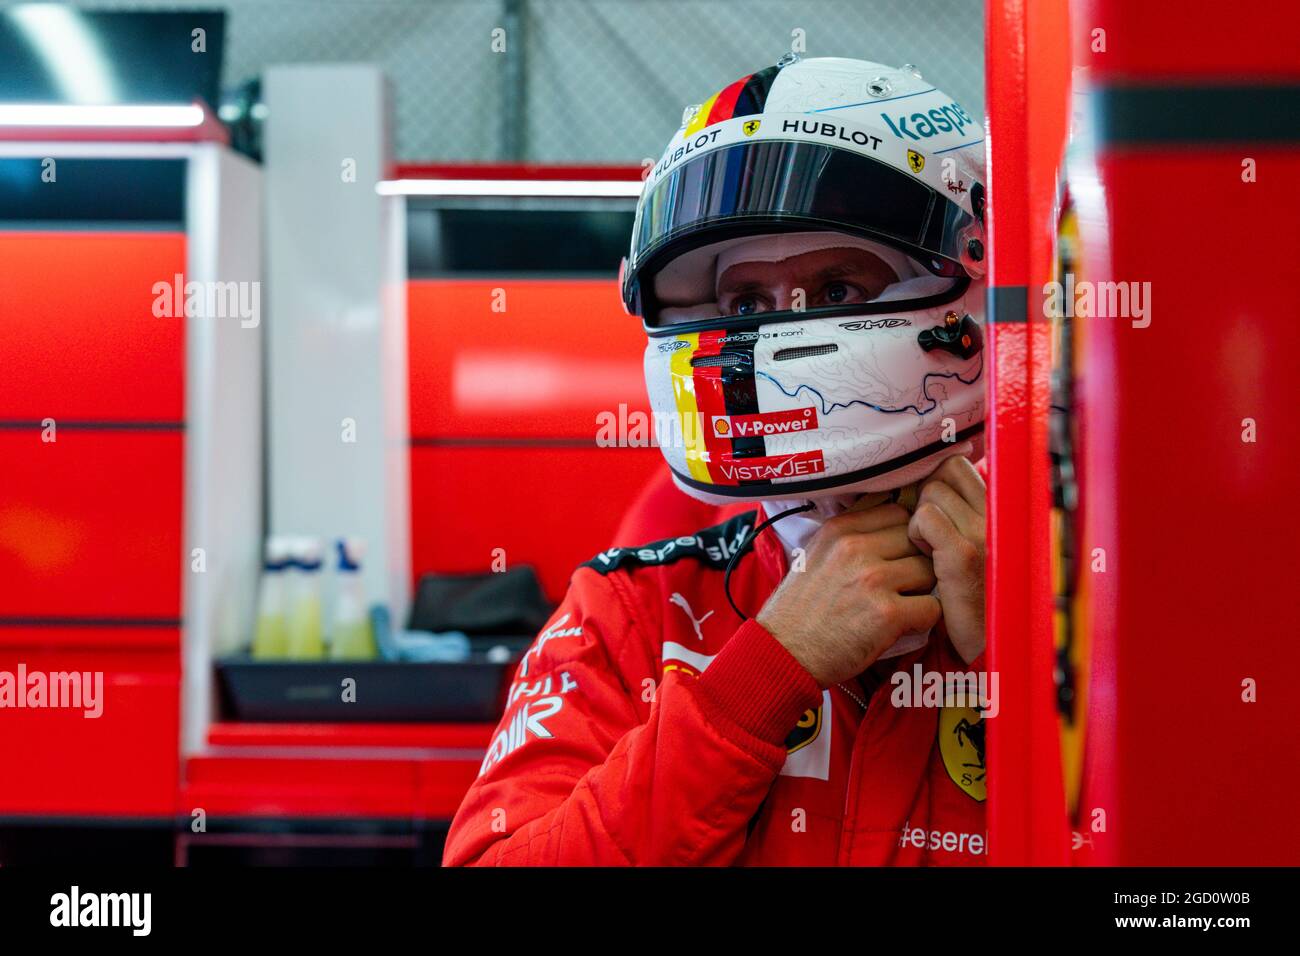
<point x="922" y="125"/>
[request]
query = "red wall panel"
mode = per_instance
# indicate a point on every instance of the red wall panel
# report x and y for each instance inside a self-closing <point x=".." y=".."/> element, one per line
<point x="560" y="353"/>
<point x="90" y="524"/>
<point x="1196" y="521"/>
<point x="1203" y="540"/>
<point x="553" y="508"/>
<point x="504" y="408"/>
<point x="81" y="339"/>
<point x="1194" y="39"/>
<point x="229" y="785"/>
<point x="59" y="762"/>
<point x="413" y="770"/>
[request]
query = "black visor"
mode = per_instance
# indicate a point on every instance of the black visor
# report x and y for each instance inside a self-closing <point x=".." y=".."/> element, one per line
<point x="780" y="185"/>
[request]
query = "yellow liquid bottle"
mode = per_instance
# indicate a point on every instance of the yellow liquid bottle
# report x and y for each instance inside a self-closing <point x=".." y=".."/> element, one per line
<point x="351" y="637"/>
<point x="306" y="639"/>
<point x="271" y="631"/>
<point x="271" y="638"/>
<point x="353" y="642"/>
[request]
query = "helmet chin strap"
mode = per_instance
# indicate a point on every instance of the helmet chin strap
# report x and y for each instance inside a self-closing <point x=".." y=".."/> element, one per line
<point x="794" y="522"/>
<point x="903" y="486"/>
<point x="795" y="532"/>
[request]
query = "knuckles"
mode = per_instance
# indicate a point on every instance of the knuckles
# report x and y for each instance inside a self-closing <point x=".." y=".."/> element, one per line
<point x="845" y="549"/>
<point x="927" y="516"/>
<point x="889" y="617"/>
<point x="873" y="576"/>
<point x="957" y="466"/>
<point x="967" y="557"/>
<point x="929" y="492"/>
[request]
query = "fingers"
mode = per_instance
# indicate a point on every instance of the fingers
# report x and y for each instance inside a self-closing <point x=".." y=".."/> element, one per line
<point x="890" y="543"/>
<point x="869" y="501"/>
<point x="919" y="613"/>
<point x="933" y="531"/>
<point x="864" y="522"/>
<point x="942" y="495"/>
<point x="907" y="574"/>
<point x="960" y="475"/>
<point x="879" y="534"/>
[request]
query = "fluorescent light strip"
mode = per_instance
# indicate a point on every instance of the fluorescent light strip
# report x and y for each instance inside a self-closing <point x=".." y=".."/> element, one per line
<point x="126" y="116"/>
<point x="72" y="52"/>
<point x="617" y="188"/>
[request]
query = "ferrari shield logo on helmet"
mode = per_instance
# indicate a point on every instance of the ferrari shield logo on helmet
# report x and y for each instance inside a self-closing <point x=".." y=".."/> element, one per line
<point x="751" y="127"/>
<point x="915" y="160"/>
<point x="961" y="744"/>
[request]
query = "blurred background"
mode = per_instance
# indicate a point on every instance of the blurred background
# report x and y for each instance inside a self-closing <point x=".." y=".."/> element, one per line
<point x="310" y="331"/>
<point x="581" y="81"/>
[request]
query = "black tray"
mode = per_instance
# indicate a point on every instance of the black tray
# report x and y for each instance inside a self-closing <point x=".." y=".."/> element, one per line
<point x="386" y="691"/>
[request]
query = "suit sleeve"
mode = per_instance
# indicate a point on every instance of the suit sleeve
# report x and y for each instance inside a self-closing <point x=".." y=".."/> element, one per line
<point x="593" y="764"/>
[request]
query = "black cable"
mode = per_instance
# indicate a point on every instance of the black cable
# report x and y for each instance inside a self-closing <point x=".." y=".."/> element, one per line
<point x="745" y="546"/>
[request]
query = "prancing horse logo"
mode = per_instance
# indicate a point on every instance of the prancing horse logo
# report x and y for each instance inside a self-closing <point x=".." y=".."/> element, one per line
<point x="961" y="744"/>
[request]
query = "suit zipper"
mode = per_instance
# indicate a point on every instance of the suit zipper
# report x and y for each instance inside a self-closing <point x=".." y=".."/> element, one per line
<point x="841" y="849"/>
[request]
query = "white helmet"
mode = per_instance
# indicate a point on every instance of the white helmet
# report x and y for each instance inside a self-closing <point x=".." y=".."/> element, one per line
<point x="822" y="398"/>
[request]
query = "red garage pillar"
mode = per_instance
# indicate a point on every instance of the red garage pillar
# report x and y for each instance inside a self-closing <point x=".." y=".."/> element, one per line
<point x="1027" y="72"/>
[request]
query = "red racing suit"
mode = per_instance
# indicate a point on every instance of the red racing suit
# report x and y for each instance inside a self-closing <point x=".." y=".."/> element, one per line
<point x="647" y="725"/>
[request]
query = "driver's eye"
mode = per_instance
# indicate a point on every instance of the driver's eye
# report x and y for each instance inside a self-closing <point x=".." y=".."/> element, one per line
<point x="745" y="305"/>
<point x="838" y="292"/>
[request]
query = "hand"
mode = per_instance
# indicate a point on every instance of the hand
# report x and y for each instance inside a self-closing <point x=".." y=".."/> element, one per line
<point x="865" y="585"/>
<point x="948" y="525"/>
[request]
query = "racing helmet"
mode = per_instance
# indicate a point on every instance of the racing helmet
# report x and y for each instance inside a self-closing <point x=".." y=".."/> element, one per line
<point x="819" y="396"/>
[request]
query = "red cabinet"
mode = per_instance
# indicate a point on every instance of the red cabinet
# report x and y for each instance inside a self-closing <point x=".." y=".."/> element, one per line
<point x="90" y="524"/>
<point x="510" y="382"/>
<point x="66" y="761"/>
<point x="91" y="553"/>
<point x="82" y="341"/>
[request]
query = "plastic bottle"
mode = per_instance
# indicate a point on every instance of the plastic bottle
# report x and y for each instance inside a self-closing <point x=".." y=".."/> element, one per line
<point x="351" y="637"/>
<point x="306" y="640"/>
<point x="271" y="632"/>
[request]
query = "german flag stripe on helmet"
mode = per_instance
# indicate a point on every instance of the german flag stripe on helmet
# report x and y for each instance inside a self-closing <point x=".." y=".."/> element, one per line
<point x="753" y="97"/>
<point x="688" y="411"/>
<point x="725" y="390"/>
<point x="709" y="399"/>
<point x="701" y="118"/>
<point x="745" y="97"/>
<point x="740" y="393"/>
<point x="724" y="104"/>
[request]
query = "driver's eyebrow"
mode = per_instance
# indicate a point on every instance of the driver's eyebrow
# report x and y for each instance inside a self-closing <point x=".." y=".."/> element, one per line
<point x="850" y="268"/>
<point x="748" y="285"/>
<point x="839" y="270"/>
<point x="845" y="268"/>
